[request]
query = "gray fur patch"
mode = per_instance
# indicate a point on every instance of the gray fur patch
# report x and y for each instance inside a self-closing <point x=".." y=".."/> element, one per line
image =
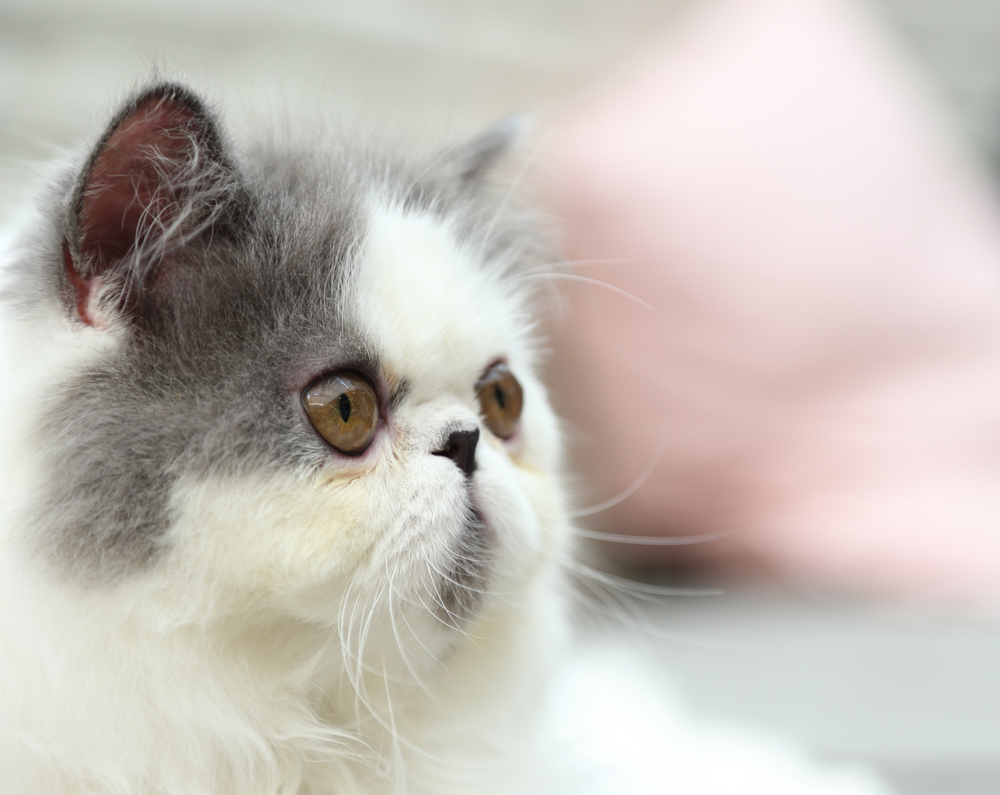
<point x="207" y="379"/>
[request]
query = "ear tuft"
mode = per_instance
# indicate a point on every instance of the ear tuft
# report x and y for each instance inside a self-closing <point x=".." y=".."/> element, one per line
<point x="482" y="154"/>
<point x="146" y="188"/>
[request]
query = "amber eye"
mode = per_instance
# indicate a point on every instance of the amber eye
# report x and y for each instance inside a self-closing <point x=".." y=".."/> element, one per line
<point x="500" y="399"/>
<point x="343" y="408"/>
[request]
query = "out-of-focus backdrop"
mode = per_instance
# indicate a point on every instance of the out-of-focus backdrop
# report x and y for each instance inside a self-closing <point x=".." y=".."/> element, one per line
<point x="443" y="64"/>
<point x="914" y="692"/>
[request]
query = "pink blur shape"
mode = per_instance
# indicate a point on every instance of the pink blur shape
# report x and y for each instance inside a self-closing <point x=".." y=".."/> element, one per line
<point x="820" y="369"/>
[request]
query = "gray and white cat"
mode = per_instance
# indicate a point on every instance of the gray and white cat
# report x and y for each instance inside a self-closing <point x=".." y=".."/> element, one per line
<point x="281" y="505"/>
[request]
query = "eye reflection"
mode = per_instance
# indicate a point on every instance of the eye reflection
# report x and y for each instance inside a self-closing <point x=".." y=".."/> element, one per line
<point x="343" y="408"/>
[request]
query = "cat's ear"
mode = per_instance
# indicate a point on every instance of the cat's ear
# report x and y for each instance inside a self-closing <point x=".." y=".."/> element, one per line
<point x="157" y="179"/>
<point x="477" y="158"/>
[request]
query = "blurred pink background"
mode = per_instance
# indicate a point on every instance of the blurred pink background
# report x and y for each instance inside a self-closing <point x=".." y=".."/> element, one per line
<point x="819" y="371"/>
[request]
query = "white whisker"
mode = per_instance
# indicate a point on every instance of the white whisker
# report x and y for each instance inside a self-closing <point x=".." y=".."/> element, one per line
<point x="653" y="541"/>
<point x="632" y="489"/>
<point x="642" y="625"/>
<point x="566" y="263"/>
<point x="576" y="277"/>
<point x="637" y="588"/>
<point x="403" y="653"/>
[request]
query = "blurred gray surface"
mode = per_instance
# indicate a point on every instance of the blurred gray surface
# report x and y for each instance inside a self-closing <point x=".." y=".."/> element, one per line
<point x="444" y="67"/>
<point x="915" y="694"/>
<point x="957" y="45"/>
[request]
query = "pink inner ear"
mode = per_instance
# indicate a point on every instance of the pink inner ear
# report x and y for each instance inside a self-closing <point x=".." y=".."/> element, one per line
<point x="130" y="188"/>
<point x="81" y="287"/>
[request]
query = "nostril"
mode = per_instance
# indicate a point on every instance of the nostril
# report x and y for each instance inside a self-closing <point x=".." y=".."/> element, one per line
<point x="461" y="448"/>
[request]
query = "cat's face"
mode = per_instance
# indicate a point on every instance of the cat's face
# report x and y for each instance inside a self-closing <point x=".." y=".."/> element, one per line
<point x="301" y="384"/>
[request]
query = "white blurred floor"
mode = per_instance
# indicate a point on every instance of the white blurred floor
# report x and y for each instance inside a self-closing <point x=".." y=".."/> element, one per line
<point x="913" y="693"/>
<point x="917" y="695"/>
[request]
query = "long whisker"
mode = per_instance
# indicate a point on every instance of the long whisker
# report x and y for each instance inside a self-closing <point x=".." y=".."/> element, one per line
<point x="634" y="621"/>
<point x="355" y="665"/>
<point x="397" y="756"/>
<point x="352" y="661"/>
<point x="638" y="588"/>
<point x="576" y="277"/>
<point x="396" y="737"/>
<point x="624" y="495"/>
<point x="403" y="651"/>
<point x="654" y="541"/>
<point x="455" y="624"/>
<point x="416" y="636"/>
<point x="598" y="261"/>
<point x="611" y="605"/>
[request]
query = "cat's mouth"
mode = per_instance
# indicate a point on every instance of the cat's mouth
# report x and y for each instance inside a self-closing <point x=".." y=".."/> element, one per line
<point x="463" y="585"/>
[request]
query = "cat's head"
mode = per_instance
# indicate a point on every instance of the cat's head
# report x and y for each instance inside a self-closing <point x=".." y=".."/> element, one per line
<point x="275" y="380"/>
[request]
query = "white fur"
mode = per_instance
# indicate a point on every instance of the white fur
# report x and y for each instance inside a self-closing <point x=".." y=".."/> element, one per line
<point x="288" y="641"/>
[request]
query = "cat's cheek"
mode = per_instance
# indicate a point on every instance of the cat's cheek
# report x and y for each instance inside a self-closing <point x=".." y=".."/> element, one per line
<point x="545" y="492"/>
<point x="524" y="511"/>
<point x="514" y="444"/>
<point x="263" y="536"/>
<point x="341" y="467"/>
<point x="537" y="465"/>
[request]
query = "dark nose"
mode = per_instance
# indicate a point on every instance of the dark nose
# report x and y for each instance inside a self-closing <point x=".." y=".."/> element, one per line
<point x="461" y="448"/>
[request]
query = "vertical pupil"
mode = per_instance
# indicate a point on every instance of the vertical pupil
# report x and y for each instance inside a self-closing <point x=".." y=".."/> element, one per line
<point x="500" y="397"/>
<point x="344" y="404"/>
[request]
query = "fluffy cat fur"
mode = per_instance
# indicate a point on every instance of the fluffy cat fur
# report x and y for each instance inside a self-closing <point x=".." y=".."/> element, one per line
<point x="198" y="594"/>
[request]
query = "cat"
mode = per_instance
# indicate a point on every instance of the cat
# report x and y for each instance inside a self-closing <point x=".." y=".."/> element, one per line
<point x="283" y="497"/>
